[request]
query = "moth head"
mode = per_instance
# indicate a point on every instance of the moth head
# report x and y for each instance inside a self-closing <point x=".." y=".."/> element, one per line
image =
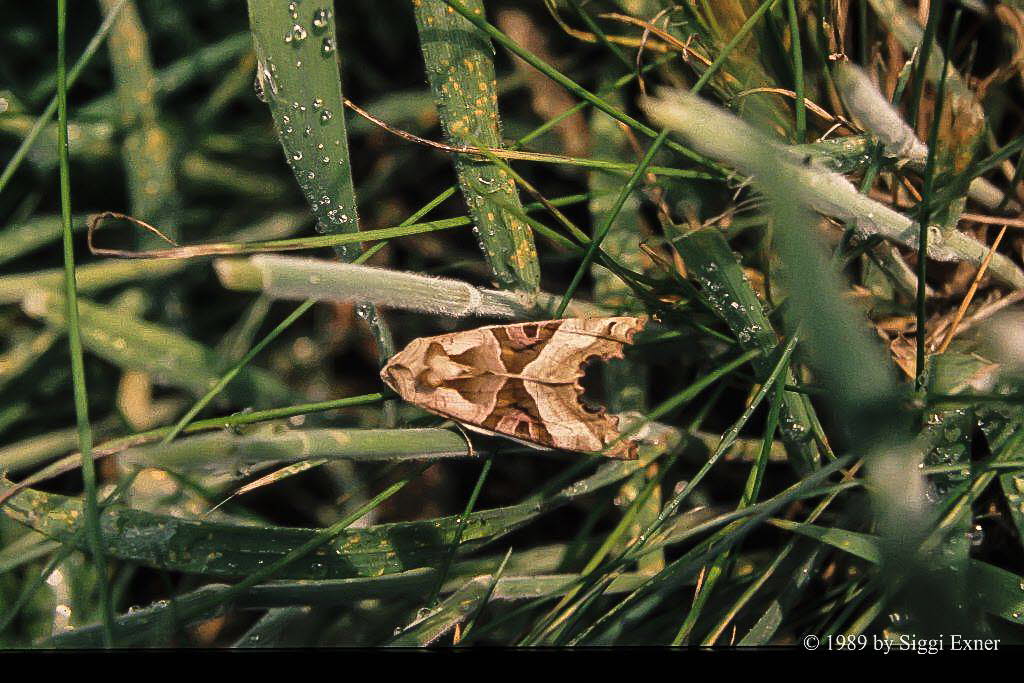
<point x="419" y="370"/>
<point x="396" y="376"/>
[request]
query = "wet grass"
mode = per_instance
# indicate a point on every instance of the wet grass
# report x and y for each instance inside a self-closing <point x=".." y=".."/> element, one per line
<point x="830" y="425"/>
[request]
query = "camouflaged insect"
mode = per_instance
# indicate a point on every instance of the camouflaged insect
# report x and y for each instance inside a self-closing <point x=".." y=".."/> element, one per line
<point x="520" y="381"/>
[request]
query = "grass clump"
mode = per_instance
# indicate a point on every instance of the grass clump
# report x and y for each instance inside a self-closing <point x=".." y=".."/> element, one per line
<point x="814" y="203"/>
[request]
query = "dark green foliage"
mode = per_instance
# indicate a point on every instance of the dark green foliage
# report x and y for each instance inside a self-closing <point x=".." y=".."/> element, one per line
<point x="256" y="486"/>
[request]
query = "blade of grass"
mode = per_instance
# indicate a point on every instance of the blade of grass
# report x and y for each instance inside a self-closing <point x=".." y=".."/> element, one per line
<point x="73" y="462"/>
<point x="766" y="625"/>
<point x="229" y="452"/>
<point x="233" y="372"/>
<point x="450" y="557"/>
<point x="814" y="188"/>
<point x="157" y="256"/>
<point x="591" y="578"/>
<point x="728" y="438"/>
<point x="798" y="72"/>
<point x="94" y="277"/>
<point x="26" y="236"/>
<point x="81" y="397"/>
<point x="279" y="627"/>
<point x="318" y="539"/>
<point x="548" y="627"/>
<point x="750" y="493"/>
<point x="218" y="549"/>
<point x="609" y="219"/>
<point x="571" y="85"/>
<point x="299" y="75"/>
<point x="626" y="381"/>
<point x="147" y="147"/>
<point x="146" y="622"/>
<point x="934" y="13"/>
<point x="727" y="50"/>
<point x="460" y="68"/>
<point x="165" y="353"/>
<point x="710" y="261"/>
<point x="71" y="77"/>
<point x="997" y="590"/>
<point x="690" y="562"/>
<point x="471" y="622"/>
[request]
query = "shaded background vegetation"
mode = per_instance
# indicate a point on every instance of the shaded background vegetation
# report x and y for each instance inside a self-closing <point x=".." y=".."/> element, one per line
<point x="768" y="543"/>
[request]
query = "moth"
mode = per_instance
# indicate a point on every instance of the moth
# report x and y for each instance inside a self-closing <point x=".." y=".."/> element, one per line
<point x="520" y="381"/>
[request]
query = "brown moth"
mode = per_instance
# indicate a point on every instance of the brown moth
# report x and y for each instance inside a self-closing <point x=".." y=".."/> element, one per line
<point x="520" y="381"/>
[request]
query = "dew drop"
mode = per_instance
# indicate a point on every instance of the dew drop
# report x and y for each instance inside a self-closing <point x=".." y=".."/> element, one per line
<point x="326" y="116"/>
<point x="320" y="18"/>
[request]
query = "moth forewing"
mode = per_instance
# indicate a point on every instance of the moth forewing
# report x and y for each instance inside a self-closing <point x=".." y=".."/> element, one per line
<point x="520" y="381"/>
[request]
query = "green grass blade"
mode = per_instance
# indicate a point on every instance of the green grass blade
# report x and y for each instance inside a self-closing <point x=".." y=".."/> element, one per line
<point x="460" y="68"/>
<point x="710" y="260"/>
<point x="87" y="54"/>
<point x="226" y="550"/>
<point x="147" y="148"/>
<point x="298" y="76"/>
<point x="71" y="313"/>
<point x="226" y="451"/>
<point x="164" y="353"/>
<point x="997" y="590"/>
<point x="150" y="624"/>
